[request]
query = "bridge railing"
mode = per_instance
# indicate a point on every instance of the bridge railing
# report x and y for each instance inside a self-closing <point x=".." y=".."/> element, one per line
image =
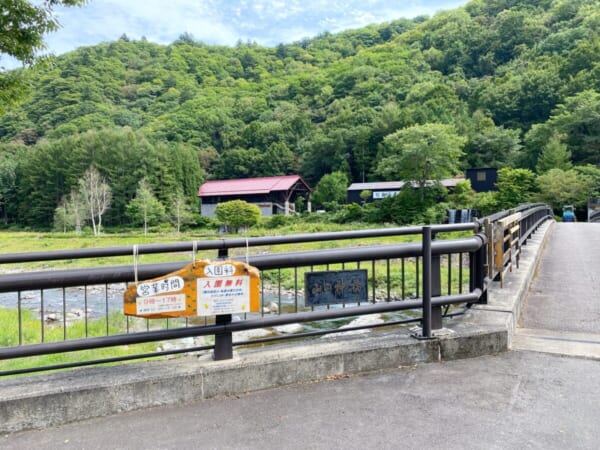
<point x="410" y="282"/>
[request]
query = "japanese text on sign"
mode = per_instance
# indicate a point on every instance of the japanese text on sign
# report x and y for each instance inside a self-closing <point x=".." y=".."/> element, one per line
<point x="219" y="270"/>
<point x="223" y="295"/>
<point x="160" y="304"/>
<point x="170" y="284"/>
<point x="343" y="286"/>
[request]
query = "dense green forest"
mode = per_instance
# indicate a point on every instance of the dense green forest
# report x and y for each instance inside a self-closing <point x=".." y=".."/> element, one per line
<point x="501" y="83"/>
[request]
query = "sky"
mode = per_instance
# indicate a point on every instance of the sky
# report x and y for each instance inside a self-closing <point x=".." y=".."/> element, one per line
<point x="225" y="22"/>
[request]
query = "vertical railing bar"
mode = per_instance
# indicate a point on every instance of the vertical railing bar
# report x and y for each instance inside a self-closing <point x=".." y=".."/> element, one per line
<point x="449" y="259"/>
<point x="460" y="272"/>
<point x="85" y="309"/>
<point x="427" y="260"/>
<point x="279" y="292"/>
<point x="127" y="317"/>
<point x="262" y="297"/>
<point x="106" y="307"/>
<point x="295" y="289"/>
<point x="389" y="281"/>
<point x="403" y="279"/>
<point x="20" y="319"/>
<point x="64" y="304"/>
<point x="418" y="278"/>
<point x="312" y="307"/>
<point x="373" y="279"/>
<point x="42" y="314"/>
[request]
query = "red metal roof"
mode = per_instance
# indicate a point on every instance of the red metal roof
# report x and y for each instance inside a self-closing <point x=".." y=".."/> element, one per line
<point x="262" y="185"/>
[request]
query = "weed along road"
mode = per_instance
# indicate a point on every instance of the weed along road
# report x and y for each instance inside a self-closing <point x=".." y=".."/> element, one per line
<point x="506" y="401"/>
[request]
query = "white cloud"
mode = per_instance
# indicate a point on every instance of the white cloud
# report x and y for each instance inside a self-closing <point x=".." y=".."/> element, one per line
<point x="223" y="22"/>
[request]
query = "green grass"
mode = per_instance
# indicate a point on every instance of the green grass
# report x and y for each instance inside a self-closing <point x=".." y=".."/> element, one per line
<point x="23" y="241"/>
<point x="31" y="327"/>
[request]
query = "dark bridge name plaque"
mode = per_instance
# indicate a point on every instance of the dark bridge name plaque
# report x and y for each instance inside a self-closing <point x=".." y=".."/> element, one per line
<point x="332" y="287"/>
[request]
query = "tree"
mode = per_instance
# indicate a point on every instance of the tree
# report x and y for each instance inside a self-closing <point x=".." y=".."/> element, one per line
<point x="22" y="29"/>
<point x="7" y="182"/>
<point x="489" y="145"/>
<point x="236" y="214"/>
<point x="577" y="123"/>
<point x="145" y="208"/>
<point x="559" y="187"/>
<point x="76" y="209"/>
<point x="61" y="216"/>
<point x="180" y="211"/>
<point x="70" y="212"/>
<point x="555" y="155"/>
<point x="462" y="196"/>
<point x="97" y="196"/>
<point x="421" y="153"/>
<point x="330" y="192"/>
<point x="515" y="186"/>
<point x="365" y="195"/>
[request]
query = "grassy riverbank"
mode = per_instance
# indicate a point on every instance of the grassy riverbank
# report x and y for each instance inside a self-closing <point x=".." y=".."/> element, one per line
<point x="31" y="333"/>
<point x="26" y="241"/>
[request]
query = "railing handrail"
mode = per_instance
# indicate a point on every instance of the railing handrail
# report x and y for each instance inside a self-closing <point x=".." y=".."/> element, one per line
<point x="125" y="273"/>
<point x="227" y="243"/>
<point x="527" y="208"/>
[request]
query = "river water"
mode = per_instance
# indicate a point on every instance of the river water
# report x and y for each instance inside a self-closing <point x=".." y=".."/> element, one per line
<point x="102" y="300"/>
<point x="98" y="300"/>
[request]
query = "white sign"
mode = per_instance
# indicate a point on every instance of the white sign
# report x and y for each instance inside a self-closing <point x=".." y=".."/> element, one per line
<point x="171" y="284"/>
<point x="160" y="304"/>
<point x="223" y="295"/>
<point x="384" y="194"/>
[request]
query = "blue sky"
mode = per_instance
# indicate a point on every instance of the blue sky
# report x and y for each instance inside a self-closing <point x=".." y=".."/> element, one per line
<point x="224" y="22"/>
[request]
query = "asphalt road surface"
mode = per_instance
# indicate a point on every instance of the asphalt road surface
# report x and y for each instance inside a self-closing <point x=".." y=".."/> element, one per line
<point x="514" y="400"/>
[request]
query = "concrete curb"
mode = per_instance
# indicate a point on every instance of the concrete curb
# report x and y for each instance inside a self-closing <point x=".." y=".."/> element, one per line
<point x="54" y="399"/>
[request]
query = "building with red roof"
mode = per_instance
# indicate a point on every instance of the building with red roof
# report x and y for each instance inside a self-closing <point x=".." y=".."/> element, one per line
<point x="273" y="195"/>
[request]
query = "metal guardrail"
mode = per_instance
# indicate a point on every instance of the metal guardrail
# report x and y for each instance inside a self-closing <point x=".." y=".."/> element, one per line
<point x="402" y="277"/>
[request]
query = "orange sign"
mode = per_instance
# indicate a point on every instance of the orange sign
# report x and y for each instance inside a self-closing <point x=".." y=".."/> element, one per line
<point x="202" y="288"/>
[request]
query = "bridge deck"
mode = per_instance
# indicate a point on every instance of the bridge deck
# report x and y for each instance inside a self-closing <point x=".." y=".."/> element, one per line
<point x="562" y="311"/>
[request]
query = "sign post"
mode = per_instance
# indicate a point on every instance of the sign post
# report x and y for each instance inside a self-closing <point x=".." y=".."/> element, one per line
<point x="200" y="289"/>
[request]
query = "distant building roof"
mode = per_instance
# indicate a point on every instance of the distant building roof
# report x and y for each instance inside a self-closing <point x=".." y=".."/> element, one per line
<point x="376" y="186"/>
<point x="389" y="185"/>
<point x="248" y="186"/>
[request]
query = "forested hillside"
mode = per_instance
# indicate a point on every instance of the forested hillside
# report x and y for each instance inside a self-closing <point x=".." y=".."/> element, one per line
<point x="501" y="80"/>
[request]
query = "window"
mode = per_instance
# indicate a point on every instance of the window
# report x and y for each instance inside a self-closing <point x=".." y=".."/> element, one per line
<point x="481" y="176"/>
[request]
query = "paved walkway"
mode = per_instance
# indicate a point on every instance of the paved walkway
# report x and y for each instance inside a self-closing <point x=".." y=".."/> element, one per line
<point x="562" y="312"/>
<point x="514" y="400"/>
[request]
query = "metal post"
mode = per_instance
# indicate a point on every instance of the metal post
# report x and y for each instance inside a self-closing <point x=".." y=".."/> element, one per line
<point x="223" y="341"/>
<point x="436" y="289"/>
<point x="426" y="282"/>
<point x="488" y="228"/>
<point x="480" y="273"/>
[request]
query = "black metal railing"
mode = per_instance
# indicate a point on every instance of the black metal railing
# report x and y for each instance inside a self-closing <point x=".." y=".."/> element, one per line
<point x="404" y="278"/>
